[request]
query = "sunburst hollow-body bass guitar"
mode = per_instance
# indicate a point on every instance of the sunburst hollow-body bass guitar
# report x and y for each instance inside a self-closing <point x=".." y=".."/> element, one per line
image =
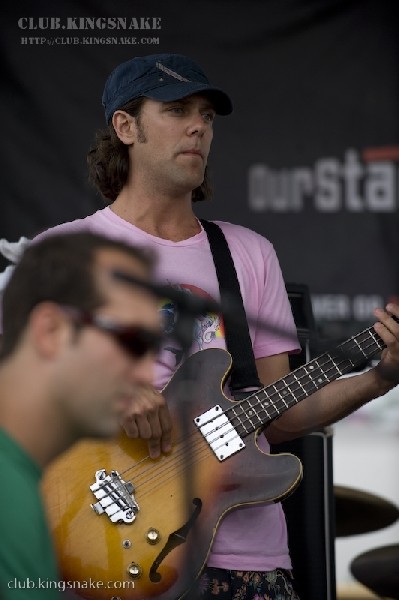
<point x="130" y="527"/>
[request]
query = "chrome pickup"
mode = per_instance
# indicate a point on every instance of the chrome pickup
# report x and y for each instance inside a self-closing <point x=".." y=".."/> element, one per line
<point x="219" y="433"/>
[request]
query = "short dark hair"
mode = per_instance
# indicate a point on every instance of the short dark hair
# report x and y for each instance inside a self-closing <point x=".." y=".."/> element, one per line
<point x="108" y="160"/>
<point x="58" y="268"/>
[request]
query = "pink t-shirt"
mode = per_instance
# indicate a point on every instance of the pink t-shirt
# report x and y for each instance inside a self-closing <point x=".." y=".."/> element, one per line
<point x="248" y="538"/>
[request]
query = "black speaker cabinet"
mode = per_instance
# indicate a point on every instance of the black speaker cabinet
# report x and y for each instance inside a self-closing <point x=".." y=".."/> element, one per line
<point x="310" y="517"/>
<point x="310" y="510"/>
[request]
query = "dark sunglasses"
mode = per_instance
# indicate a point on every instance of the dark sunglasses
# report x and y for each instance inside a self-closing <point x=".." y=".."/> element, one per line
<point x="134" y="339"/>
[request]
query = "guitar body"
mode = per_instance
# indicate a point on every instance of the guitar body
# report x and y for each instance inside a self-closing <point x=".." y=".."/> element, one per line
<point x="187" y="492"/>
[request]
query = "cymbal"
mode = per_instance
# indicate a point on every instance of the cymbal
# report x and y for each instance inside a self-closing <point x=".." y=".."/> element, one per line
<point x="378" y="569"/>
<point x="357" y="511"/>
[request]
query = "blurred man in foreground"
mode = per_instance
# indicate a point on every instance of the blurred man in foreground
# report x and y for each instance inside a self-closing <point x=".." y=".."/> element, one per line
<point x="75" y="343"/>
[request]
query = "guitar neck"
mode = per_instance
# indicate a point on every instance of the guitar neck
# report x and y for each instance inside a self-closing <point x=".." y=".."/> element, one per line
<point x="265" y="405"/>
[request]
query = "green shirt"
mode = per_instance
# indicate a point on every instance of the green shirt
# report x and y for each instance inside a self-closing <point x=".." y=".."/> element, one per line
<point x="28" y="569"/>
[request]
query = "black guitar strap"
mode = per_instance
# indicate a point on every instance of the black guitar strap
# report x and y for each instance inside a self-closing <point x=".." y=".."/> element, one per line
<point x="238" y="341"/>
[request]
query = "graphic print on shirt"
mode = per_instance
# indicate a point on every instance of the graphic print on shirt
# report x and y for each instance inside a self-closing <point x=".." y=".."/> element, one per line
<point x="207" y="327"/>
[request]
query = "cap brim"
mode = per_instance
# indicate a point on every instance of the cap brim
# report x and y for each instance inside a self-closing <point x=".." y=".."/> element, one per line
<point x="177" y="91"/>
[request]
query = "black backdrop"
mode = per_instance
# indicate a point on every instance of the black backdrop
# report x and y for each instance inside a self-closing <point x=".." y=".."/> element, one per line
<point x="309" y="157"/>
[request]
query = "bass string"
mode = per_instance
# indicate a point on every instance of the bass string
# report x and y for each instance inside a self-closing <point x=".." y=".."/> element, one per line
<point x="168" y="467"/>
<point x="278" y="402"/>
<point x="185" y="468"/>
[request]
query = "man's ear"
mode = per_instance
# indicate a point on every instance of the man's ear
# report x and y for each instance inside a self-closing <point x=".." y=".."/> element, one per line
<point x="125" y="127"/>
<point x="48" y="328"/>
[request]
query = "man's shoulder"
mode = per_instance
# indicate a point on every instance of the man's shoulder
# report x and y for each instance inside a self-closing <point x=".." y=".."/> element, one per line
<point x="234" y="228"/>
<point x="242" y="234"/>
<point x="89" y="223"/>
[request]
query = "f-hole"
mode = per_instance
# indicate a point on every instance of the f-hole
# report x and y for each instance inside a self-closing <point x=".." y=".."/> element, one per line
<point x="175" y="539"/>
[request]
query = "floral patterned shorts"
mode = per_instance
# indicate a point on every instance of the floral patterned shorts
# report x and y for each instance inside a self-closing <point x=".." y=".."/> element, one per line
<point x="220" y="584"/>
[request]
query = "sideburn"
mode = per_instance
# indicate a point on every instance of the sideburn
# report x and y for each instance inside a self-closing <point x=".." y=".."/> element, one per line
<point x="141" y="136"/>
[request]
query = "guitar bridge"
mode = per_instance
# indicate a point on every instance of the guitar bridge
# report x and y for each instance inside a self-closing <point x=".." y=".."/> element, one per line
<point x="219" y="433"/>
<point x="115" y="497"/>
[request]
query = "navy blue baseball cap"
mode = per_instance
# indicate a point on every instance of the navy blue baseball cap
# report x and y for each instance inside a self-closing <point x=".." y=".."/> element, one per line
<point x="163" y="77"/>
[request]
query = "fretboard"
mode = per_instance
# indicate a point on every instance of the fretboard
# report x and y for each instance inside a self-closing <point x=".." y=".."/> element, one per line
<point x="270" y="402"/>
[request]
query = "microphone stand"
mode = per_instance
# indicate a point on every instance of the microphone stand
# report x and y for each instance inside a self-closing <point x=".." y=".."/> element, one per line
<point x="188" y="308"/>
<point x="184" y="334"/>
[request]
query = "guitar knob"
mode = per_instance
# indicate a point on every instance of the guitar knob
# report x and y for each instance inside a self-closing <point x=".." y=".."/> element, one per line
<point x="153" y="536"/>
<point x="134" y="571"/>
